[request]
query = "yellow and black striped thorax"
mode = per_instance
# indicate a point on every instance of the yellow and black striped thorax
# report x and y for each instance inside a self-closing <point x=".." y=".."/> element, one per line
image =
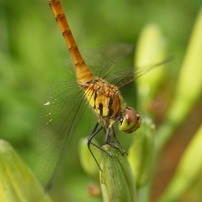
<point x="105" y="98"/>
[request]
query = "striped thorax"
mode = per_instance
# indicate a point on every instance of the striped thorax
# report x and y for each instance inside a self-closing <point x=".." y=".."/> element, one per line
<point x="107" y="102"/>
<point x="104" y="98"/>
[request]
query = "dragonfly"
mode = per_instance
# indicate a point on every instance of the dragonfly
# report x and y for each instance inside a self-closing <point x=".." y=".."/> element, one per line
<point x="65" y="104"/>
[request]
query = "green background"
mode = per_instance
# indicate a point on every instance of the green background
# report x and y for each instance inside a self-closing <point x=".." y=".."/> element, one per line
<point x="33" y="56"/>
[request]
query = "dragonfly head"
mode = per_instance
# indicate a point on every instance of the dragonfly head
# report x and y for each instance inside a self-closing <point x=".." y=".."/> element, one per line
<point x="130" y="120"/>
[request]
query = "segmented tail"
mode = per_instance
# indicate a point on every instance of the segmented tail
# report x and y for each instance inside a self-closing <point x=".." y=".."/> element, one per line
<point x="83" y="73"/>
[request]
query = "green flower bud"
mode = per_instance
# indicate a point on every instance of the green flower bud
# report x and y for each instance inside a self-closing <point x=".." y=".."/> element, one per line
<point x="116" y="178"/>
<point x="150" y="50"/>
<point x="87" y="161"/>
<point x="141" y="153"/>
<point x="189" y="86"/>
<point x="17" y="182"/>
<point x="188" y="170"/>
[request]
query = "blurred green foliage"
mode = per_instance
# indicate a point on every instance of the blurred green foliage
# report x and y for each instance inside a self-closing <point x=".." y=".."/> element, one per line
<point x="17" y="182"/>
<point x="33" y="56"/>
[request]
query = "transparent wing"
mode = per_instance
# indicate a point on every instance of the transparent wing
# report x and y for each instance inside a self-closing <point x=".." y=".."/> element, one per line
<point x="126" y="76"/>
<point x="62" y="110"/>
<point x="103" y="59"/>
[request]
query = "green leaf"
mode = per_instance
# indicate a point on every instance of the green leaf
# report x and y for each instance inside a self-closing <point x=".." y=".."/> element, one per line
<point x="17" y="183"/>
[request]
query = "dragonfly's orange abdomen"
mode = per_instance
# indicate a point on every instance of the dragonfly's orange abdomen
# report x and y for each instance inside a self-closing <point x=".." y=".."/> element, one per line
<point x="105" y="98"/>
<point x="83" y="73"/>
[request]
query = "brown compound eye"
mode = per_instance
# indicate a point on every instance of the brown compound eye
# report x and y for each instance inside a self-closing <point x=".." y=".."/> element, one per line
<point x="130" y="121"/>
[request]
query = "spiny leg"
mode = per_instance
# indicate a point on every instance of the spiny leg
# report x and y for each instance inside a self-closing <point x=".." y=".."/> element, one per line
<point x="123" y="152"/>
<point x="112" y="140"/>
<point x="96" y="130"/>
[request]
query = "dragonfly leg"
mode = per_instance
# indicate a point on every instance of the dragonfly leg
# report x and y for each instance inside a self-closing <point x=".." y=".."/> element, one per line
<point x="96" y="130"/>
<point x="112" y="140"/>
<point x="123" y="152"/>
